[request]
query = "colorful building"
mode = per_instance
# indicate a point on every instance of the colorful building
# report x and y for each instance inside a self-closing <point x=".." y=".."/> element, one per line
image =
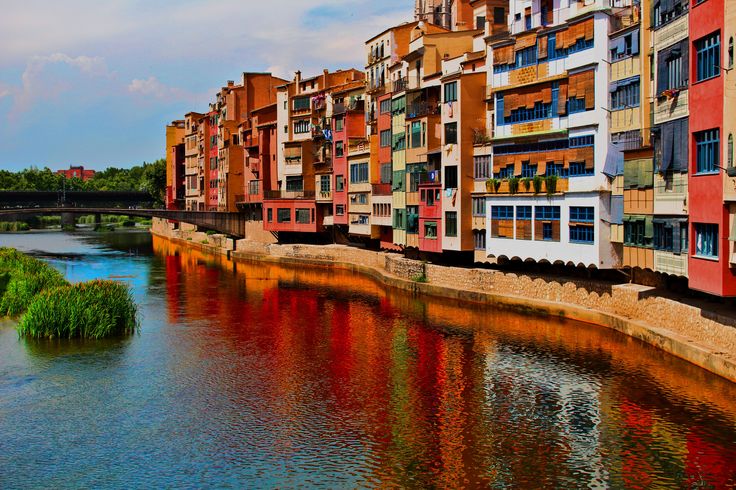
<point x="175" y="178"/>
<point x="77" y="172"/>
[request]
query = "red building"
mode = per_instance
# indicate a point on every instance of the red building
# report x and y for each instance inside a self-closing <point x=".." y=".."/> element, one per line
<point x="430" y="212"/>
<point x="710" y="267"/>
<point x="77" y="173"/>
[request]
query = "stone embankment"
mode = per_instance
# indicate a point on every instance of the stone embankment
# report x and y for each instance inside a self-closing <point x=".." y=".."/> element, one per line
<point x="690" y="332"/>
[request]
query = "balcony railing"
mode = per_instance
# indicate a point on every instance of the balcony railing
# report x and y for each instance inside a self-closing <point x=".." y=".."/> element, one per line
<point x="381" y="189"/>
<point x="251" y="141"/>
<point x="400" y="84"/>
<point x="288" y="194"/>
<point x="431" y="177"/>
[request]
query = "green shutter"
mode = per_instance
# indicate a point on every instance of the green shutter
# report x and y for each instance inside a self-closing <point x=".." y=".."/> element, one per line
<point x="649" y="227"/>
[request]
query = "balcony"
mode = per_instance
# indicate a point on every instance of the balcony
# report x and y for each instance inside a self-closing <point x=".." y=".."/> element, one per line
<point x="251" y="141"/>
<point x="624" y="16"/>
<point x="324" y="196"/>
<point x="355" y="105"/>
<point x="422" y="108"/>
<point x="400" y="84"/>
<point x="506" y="187"/>
<point x="375" y="85"/>
<point x="288" y="195"/>
<point x="254" y="164"/>
<point x="381" y="189"/>
<point x="430" y="178"/>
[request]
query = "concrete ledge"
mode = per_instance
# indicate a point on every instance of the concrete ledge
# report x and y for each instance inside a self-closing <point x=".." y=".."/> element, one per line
<point x="710" y="357"/>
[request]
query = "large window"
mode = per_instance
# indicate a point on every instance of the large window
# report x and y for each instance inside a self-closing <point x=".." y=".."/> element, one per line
<point x="540" y="111"/>
<point x="339" y="123"/>
<point x="385" y="138"/>
<point x="451" y="92"/>
<point x="625" y="94"/>
<point x="451" y="223"/>
<point x="547" y="223"/>
<point x="324" y="183"/>
<point x="528" y="170"/>
<point x="502" y="221"/>
<point x="582" y="214"/>
<point x="294" y="183"/>
<point x="301" y="103"/>
<point x="482" y="167"/>
<point x="339" y="183"/>
<point x="359" y="173"/>
<point x="582" y="229"/>
<point x="707" y="151"/>
<point x="283" y="215"/>
<point x="708" y="57"/>
<point x="303" y="216"/>
<point x="430" y="229"/>
<point x="479" y="206"/>
<point x="450" y="133"/>
<point x="301" y="126"/>
<point x="634" y="232"/>
<point x="706" y="240"/>
<point x="339" y="148"/>
<point x="526" y="57"/>
<point x="385" y="106"/>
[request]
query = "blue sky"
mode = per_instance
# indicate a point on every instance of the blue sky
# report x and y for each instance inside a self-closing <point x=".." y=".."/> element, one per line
<point x="94" y="82"/>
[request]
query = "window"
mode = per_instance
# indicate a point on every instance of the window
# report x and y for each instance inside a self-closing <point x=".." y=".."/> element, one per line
<point x="707" y="151"/>
<point x="557" y="169"/>
<point x="580" y="45"/>
<point x="528" y="21"/>
<point x="499" y="15"/>
<point x="386" y="138"/>
<point x="479" y="206"/>
<point x="301" y="103"/>
<point x="524" y="213"/>
<point x="502" y="212"/>
<point x="479" y="239"/>
<point x="575" y="104"/>
<point x="339" y="148"/>
<point x="324" y="183"/>
<point x="625" y="46"/>
<point x="582" y="214"/>
<point x="385" y="106"/>
<point x="451" y="177"/>
<point x="339" y="123"/>
<point x="684" y="242"/>
<point x="451" y="92"/>
<point x="451" y="223"/>
<point x="480" y="22"/>
<point x="450" y="133"/>
<point x="303" y="216"/>
<point x="398" y="180"/>
<point x="708" y="61"/>
<point x="340" y="209"/>
<point x="399" y="142"/>
<point x="547" y="213"/>
<point x="582" y="234"/>
<point x="523" y="114"/>
<point x="528" y="170"/>
<point x="706" y="240"/>
<point x="430" y="229"/>
<point x="359" y="173"/>
<point x="526" y="57"/>
<point x="729" y="153"/>
<point x="301" y="126"/>
<point x="482" y="167"/>
<point x="269" y="215"/>
<point x="399" y="219"/>
<point x="412" y="218"/>
<point x="506" y="172"/>
<point x="294" y="183"/>
<point x="578" y="169"/>
<point x="386" y="173"/>
<point x="664" y="237"/>
<point x="339" y="183"/>
<point x="283" y="215"/>
<point x="416" y="134"/>
<point x="580" y="141"/>
<point x="625" y="95"/>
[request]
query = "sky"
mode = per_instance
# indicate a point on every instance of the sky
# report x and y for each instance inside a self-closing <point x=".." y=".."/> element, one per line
<point x="94" y="83"/>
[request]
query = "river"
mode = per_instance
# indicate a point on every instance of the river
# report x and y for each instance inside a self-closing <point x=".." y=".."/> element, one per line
<point x="260" y="376"/>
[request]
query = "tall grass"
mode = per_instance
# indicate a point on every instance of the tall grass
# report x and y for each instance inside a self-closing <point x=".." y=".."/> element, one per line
<point x="56" y="309"/>
<point x="14" y="226"/>
<point x="26" y="277"/>
<point x="91" y="310"/>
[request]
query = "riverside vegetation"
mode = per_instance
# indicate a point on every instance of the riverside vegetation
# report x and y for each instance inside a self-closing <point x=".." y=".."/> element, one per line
<point x="51" y="307"/>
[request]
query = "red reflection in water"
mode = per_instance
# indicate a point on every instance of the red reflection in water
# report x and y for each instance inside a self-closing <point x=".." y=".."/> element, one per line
<point x="344" y="365"/>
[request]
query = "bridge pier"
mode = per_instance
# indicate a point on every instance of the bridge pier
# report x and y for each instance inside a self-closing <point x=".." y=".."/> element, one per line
<point x="68" y="220"/>
<point x="98" y="220"/>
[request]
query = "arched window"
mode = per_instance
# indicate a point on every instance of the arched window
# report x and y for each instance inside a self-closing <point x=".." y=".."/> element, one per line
<point x="730" y="151"/>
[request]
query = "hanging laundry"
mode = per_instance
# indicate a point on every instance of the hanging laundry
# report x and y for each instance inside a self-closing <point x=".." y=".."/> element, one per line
<point x="448" y="193"/>
<point x="449" y="105"/>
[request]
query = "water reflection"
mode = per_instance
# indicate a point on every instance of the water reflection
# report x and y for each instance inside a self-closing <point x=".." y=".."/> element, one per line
<point x="255" y="375"/>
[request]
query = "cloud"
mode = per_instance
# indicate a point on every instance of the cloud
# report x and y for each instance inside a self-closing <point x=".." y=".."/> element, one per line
<point x="152" y="87"/>
<point x="37" y="84"/>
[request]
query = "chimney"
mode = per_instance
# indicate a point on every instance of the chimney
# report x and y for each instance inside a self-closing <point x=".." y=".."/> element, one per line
<point x="298" y="81"/>
<point x="325" y="73"/>
<point x="231" y="83"/>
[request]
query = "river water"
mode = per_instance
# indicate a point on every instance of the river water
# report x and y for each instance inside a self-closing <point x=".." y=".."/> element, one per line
<point x="260" y="376"/>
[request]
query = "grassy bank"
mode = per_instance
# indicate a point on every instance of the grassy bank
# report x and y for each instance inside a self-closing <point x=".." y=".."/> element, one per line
<point x="53" y="308"/>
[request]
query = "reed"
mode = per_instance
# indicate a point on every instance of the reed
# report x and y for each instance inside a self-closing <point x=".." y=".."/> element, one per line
<point x="14" y="226"/>
<point x="90" y="310"/>
<point x="25" y="278"/>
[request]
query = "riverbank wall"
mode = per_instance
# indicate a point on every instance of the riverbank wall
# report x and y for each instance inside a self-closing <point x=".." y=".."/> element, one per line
<point x="690" y="331"/>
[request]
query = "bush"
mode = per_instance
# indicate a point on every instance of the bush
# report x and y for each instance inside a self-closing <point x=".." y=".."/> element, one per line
<point x="537" y="182"/>
<point x="14" y="226"/>
<point x="210" y="232"/>
<point x="91" y="310"/>
<point x="513" y="185"/>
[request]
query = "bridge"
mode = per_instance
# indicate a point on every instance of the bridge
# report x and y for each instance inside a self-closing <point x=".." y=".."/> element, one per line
<point x="50" y="199"/>
<point x="232" y="224"/>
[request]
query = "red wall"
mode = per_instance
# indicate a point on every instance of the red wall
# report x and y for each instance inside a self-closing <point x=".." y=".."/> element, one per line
<point x="292" y="204"/>
<point x="340" y="167"/>
<point x="706" y="203"/>
<point x="210" y="174"/>
<point x="383" y="123"/>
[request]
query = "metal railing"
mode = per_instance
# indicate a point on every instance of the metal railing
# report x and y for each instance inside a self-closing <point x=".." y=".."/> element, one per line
<point x="288" y="194"/>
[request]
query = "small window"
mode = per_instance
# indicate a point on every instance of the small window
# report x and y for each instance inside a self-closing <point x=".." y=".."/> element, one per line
<point x="269" y="214"/>
<point x="430" y="230"/>
<point x="451" y="177"/>
<point x="707" y="144"/>
<point x="480" y="22"/>
<point x="339" y="183"/>
<point x="706" y="240"/>
<point x="283" y="215"/>
<point x="450" y="133"/>
<point x="340" y="209"/>
<point x="339" y="123"/>
<point x="303" y="216"/>
<point x="386" y="138"/>
<point x="708" y="57"/>
<point x="451" y="92"/>
<point x="451" y="223"/>
<point x="499" y="15"/>
<point x="385" y="106"/>
<point x="339" y="148"/>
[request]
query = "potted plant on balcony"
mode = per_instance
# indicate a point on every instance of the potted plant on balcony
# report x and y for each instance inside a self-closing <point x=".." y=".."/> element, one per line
<point x="513" y="185"/>
<point x="492" y="185"/>
<point x="526" y="182"/>
<point x="551" y="182"/>
<point x="537" y="183"/>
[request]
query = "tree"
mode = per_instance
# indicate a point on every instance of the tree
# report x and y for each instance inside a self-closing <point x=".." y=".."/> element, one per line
<point x="153" y="179"/>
